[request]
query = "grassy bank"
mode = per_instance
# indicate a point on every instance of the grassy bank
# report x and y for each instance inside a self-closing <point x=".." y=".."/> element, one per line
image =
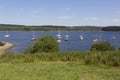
<point x="109" y="58"/>
<point x="89" y="65"/>
<point x="57" y="71"/>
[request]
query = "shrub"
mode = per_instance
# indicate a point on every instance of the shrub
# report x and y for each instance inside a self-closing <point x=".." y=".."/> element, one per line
<point x="45" y="43"/>
<point x="2" y="43"/>
<point x="119" y="48"/>
<point x="110" y="58"/>
<point x="101" y="46"/>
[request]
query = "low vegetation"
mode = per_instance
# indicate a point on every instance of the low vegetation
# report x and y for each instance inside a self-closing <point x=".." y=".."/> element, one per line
<point x="119" y="48"/>
<point x="102" y="46"/>
<point x="45" y="43"/>
<point x="109" y="58"/>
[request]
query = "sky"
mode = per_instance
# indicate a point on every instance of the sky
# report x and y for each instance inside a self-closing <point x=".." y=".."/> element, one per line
<point x="60" y="12"/>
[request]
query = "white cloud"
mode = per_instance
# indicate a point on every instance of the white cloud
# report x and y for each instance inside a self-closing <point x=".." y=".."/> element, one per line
<point x="64" y="17"/>
<point x="91" y="18"/>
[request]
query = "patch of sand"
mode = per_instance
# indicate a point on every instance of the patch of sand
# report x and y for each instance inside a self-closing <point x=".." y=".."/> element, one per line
<point x="4" y="49"/>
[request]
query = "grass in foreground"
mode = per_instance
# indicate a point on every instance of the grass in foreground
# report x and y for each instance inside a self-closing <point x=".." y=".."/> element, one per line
<point x="61" y="66"/>
<point x="57" y="71"/>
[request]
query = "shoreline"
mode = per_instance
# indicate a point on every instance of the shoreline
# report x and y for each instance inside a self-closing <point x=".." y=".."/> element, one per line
<point x="4" y="49"/>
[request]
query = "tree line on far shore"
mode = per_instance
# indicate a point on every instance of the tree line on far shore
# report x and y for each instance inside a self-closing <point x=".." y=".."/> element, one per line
<point x="14" y="27"/>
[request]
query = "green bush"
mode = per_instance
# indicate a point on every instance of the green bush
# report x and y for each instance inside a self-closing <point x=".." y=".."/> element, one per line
<point x="101" y="46"/>
<point x="119" y="48"/>
<point x="1" y="43"/>
<point x="45" y="43"/>
<point x="110" y="58"/>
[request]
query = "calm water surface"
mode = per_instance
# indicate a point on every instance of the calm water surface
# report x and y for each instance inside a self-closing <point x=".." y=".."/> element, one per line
<point x="22" y="39"/>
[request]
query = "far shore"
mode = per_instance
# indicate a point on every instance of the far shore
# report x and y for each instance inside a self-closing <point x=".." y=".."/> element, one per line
<point x="4" y="49"/>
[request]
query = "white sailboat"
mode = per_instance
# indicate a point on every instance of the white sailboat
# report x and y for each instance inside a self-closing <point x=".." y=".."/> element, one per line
<point x="113" y="37"/>
<point x="66" y="37"/>
<point x="81" y="37"/>
<point x="7" y="35"/>
<point x="97" y="37"/>
<point x="95" y="40"/>
<point x="59" y="36"/>
<point x="33" y="36"/>
<point x="58" y="40"/>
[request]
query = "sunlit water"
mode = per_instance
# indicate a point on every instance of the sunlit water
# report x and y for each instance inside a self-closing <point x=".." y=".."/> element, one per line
<point x="22" y="39"/>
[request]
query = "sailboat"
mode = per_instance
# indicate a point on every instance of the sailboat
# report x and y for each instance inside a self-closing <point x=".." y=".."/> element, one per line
<point x="81" y="37"/>
<point x="33" y="36"/>
<point x="98" y="37"/>
<point x="113" y="37"/>
<point x="59" y="37"/>
<point x="95" y="40"/>
<point x="66" y="37"/>
<point x="59" y="41"/>
<point x="7" y="35"/>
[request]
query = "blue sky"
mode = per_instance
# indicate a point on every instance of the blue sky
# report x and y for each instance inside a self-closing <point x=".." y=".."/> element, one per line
<point x="60" y="12"/>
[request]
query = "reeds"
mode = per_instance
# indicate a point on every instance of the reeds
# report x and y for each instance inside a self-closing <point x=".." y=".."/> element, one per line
<point x="110" y="58"/>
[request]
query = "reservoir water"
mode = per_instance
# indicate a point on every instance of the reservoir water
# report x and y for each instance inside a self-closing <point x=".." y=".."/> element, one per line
<point x="22" y="39"/>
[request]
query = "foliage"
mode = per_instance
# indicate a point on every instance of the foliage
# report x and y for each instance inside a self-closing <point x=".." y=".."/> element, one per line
<point x="119" y="48"/>
<point x="101" y="46"/>
<point x="109" y="58"/>
<point x="46" y="43"/>
<point x="111" y="28"/>
<point x="10" y="27"/>
<point x="2" y="43"/>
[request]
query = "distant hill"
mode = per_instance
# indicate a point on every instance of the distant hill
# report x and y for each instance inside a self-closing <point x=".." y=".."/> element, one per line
<point x="6" y="25"/>
<point x="111" y="28"/>
<point x="14" y="27"/>
<point x="84" y="28"/>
